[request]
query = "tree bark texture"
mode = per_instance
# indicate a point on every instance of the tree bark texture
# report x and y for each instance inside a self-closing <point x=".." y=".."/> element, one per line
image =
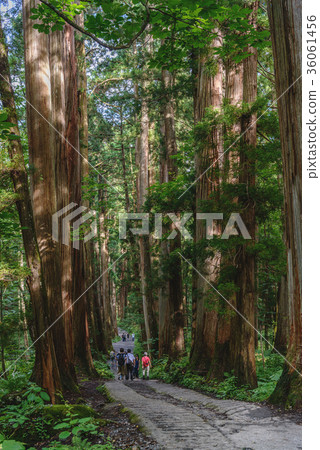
<point x="286" y="32"/>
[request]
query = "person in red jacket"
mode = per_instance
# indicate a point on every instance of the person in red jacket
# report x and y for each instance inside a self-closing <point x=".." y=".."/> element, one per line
<point x="146" y="365"/>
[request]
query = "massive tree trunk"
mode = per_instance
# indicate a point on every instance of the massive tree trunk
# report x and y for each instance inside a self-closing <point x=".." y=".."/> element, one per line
<point x="171" y="309"/>
<point x="44" y="150"/>
<point x="286" y="33"/>
<point x="243" y="333"/>
<point x="46" y="372"/>
<point x="222" y="359"/>
<point x="209" y="93"/>
<point x="60" y="153"/>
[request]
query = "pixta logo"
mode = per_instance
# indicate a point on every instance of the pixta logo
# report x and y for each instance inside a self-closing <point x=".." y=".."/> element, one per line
<point x="69" y="222"/>
<point x="234" y="225"/>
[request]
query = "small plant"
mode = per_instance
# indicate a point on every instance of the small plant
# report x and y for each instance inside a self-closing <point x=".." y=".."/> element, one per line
<point x="103" y="370"/>
<point x="74" y="425"/>
<point x="24" y="420"/>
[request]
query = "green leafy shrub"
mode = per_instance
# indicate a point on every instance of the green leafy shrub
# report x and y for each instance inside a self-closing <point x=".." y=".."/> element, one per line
<point x="103" y="369"/>
<point x="23" y="418"/>
<point x="179" y="372"/>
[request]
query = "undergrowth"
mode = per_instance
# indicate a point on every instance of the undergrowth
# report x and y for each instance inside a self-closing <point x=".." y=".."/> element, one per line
<point x="179" y="372"/>
<point x="27" y="416"/>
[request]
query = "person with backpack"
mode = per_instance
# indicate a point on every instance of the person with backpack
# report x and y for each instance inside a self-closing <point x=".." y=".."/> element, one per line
<point x="121" y="358"/>
<point x="130" y="364"/>
<point x="136" y="367"/>
<point x="146" y="365"/>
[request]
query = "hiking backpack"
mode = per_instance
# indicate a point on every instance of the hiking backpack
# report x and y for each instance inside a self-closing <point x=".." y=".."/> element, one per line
<point x="121" y="359"/>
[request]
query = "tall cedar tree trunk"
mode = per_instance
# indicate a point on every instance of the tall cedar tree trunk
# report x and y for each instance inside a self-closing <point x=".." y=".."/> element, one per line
<point x="45" y="152"/>
<point x="282" y="318"/>
<point x="209" y="93"/>
<point x="45" y="372"/>
<point x="222" y="358"/>
<point x="88" y="247"/>
<point x="82" y="263"/>
<point x="101" y="337"/>
<point x="151" y="328"/>
<point x="171" y="308"/>
<point x="286" y="33"/>
<point x="60" y="154"/>
<point x="105" y="260"/>
<point x="123" y="294"/>
<point x="243" y="333"/>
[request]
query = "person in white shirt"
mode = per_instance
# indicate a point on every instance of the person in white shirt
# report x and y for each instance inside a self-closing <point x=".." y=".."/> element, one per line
<point x="130" y="364"/>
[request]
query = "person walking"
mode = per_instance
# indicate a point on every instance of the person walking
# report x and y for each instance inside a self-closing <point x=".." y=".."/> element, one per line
<point x="136" y="367"/>
<point x="128" y="336"/>
<point x="132" y="337"/>
<point x="121" y="358"/>
<point x="146" y="365"/>
<point x="112" y="359"/>
<point x="130" y="364"/>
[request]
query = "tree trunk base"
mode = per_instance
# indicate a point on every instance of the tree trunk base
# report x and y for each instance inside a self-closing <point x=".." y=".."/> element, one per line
<point x="288" y="391"/>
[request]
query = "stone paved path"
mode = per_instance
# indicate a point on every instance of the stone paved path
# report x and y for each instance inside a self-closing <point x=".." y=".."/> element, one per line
<point x="179" y="418"/>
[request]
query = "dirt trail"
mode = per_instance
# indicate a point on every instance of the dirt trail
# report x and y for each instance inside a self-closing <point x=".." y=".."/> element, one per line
<point x="179" y="418"/>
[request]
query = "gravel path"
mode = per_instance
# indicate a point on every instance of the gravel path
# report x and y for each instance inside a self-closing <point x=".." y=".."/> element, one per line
<point x="179" y="418"/>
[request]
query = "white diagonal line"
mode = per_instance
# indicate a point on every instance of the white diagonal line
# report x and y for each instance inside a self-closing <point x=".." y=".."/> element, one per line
<point x="239" y="137"/>
<point x="63" y="137"/>
<point x="238" y="312"/>
<point x="61" y="315"/>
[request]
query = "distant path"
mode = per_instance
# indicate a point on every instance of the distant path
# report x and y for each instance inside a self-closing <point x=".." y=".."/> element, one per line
<point x="125" y="345"/>
<point x="179" y="418"/>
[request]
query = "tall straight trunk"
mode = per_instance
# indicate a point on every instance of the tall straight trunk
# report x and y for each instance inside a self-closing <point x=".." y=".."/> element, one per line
<point x="286" y="32"/>
<point x="105" y="276"/>
<point x="90" y="275"/>
<point x="151" y="328"/>
<point x="22" y="309"/>
<point x="43" y="156"/>
<point x="171" y="309"/>
<point x="101" y="337"/>
<point x="78" y="132"/>
<point x="60" y="155"/>
<point x="282" y="317"/>
<point x="222" y="358"/>
<point x="243" y="333"/>
<point x="209" y="93"/>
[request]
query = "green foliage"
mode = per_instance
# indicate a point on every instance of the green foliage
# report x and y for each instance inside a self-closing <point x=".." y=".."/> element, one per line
<point x="76" y="426"/>
<point x="22" y="418"/>
<point x="10" y="444"/>
<point x="103" y="368"/>
<point x="5" y="126"/>
<point x="179" y="372"/>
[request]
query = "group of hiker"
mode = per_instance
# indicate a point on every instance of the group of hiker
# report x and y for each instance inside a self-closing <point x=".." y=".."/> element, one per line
<point x="129" y="364"/>
<point x="125" y="337"/>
